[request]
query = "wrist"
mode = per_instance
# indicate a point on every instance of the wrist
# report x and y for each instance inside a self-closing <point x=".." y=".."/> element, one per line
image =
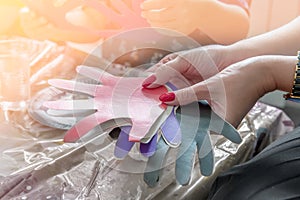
<point x="240" y="51"/>
<point x="256" y="73"/>
<point x="230" y="54"/>
<point x="283" y="71"/>
<point x="268" y="73"/>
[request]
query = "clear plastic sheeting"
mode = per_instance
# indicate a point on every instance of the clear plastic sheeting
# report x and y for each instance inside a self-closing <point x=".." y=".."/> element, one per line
<point x="36" y="164"/>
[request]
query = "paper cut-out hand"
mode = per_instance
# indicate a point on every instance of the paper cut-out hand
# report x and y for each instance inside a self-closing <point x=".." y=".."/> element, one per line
<point x="209" y="123"/>
<point x="169" y="131"/>
<point x="120" y="13"/>
<point x="191" y="141"/>
<point x="117" y="97"/>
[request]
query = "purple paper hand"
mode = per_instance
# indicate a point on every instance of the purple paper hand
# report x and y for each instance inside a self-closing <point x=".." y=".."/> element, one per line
<point x="169" y="131"/>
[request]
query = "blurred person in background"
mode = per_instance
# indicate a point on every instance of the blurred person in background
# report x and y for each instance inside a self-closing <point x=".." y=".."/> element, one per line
<point x="232" y="78"/>
<point x="205" y="21"/>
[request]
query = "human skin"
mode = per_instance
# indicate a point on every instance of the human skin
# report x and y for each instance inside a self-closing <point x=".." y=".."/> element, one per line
<point x="221" y="22"/>
<point x="207" y="13"/>
<point x="251" y="68"/>
<point x="38" y="27"/>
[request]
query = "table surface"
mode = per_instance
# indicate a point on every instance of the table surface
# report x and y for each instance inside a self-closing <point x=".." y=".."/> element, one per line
<point x="36" y="163"/>
<point x="48" y="167"/>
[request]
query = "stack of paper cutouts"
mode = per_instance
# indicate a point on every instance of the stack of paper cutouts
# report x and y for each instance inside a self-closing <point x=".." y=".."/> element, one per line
<point x="144" y="120"/>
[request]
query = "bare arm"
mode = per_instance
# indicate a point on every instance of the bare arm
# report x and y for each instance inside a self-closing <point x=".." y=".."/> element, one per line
<point x="224" y="23"/>
<point x="233" y="92"/>
<point x="282" y="41"/>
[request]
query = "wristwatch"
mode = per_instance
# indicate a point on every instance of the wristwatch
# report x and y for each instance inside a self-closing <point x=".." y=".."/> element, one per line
<point x="294" y="95"/>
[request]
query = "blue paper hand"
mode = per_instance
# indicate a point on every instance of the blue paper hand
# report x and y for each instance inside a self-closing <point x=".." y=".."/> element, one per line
<point x="200" y="141"/>
<point x="193" y="138"/>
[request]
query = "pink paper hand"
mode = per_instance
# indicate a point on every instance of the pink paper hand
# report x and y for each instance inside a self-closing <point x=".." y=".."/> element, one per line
<point x="117" y="97"/>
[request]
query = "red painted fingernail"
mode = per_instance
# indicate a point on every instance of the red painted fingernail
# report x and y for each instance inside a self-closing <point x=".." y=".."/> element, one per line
<point x="148" y="81"/>
<point x="167" y="97"/>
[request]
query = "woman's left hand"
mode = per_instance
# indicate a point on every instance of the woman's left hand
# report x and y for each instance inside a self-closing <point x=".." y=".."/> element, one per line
<point x="233" y="92"/>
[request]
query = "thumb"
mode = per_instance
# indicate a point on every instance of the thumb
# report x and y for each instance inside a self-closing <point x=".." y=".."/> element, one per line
<point x="186" y="95"/>
<point x="164" y="73"/>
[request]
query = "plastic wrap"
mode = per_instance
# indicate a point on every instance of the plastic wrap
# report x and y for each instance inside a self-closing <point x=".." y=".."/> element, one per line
<point x="36" y="164"/>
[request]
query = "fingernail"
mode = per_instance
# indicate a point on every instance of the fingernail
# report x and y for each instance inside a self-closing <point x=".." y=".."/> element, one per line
<point x="167" y="97"/>
<point x="148" y="81"/>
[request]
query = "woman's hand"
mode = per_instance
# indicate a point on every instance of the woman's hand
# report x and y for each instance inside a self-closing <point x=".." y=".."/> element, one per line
<point x="189" y="67"/>
<point x="233" y="92"/>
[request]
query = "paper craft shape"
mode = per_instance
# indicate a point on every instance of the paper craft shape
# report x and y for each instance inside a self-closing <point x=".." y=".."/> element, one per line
<point x="117" y="97"/>
<point x="153" y="126"/>
<point x="191" y="141"/>
<point x="169" y="131"/>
